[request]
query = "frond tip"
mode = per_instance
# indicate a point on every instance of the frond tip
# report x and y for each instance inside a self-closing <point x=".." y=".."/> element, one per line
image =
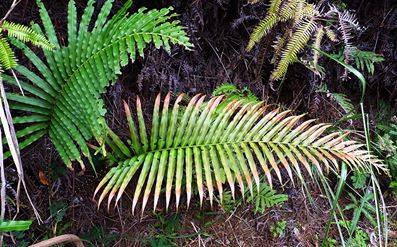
<point x="206" y="147"/>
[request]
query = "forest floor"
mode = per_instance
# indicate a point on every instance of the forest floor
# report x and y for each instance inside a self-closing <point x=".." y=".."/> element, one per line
<point x="219" y="29"/>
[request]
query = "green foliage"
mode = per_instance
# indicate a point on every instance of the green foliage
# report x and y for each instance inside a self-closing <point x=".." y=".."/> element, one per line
<point x="341" y="99"/>
<point x="65" y="97"/>
<point x="263" y="199"/>
<point x="60" y="223"/>
<point x="167" y="229"/>
<point x="359" y="179"/>
<point x="329" y="242"/>
<point x="364" y="60"/>
<point x="232" y="93"/>
<point x="360" y="239"/>
<point x="23" y="34"/>
<point x="360" y="207"/>
<point x="266" y="198"/>
<point x="15" y="225"/>
<point x="302" y="22"/>
<point x="202" y="147"/>
<point x="278" y="229"/>
<point x="97" y="236"/>
<point x="386" y="138"/>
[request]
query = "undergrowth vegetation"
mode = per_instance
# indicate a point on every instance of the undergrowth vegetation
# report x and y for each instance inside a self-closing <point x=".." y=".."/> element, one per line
<point x="262" y="160"/>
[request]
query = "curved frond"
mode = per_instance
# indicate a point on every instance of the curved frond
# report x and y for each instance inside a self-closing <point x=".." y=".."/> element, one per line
<point x="207" y="148"/>
<point x="68" y="86"/>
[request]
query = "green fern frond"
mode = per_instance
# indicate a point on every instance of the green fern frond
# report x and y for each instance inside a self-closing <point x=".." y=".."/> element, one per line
<point x="265" y="25"/>
<point x="288" y="10"/>
<point x="265" y="198"/>
<point x="296" y="44"/>
<point x="25" y="34"/>
<point x="205" y="148"/>
<point x="67" y="90"/>
<point x="341" y="99"/>
<point x="365" y="60"/>
<point x="7" y="57"/>
<point x="261" y="30"/>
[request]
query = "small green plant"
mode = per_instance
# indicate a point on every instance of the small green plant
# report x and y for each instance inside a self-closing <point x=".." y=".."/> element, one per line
<point x="361" y="206"/>
<point x="266" y="198"/>
<point x="232" y="93"/>
<point x="166" y="229"/>
<point x="386" y="139"/>
<point x="360" y="239"/>
<point x="341" y="99"/>
<point x="261" y="200"/>
<point x="359" y="179"/>
<point x="364" y="60"/>
<point x="60" y="223"/>
<point x="329" y="242"/>
<point x="278" y="229"/>
<point x="97" y="236"/>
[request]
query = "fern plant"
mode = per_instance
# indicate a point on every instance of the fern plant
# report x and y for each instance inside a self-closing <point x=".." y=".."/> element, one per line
<point x="207" y="149"/>
<point x="265" y="198"/>
<point x="65" y="95"/>
<point x="303" y="22"/>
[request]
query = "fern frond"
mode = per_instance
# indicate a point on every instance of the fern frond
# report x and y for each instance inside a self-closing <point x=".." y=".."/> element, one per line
<point x="365" y="60"/>
<point x="296" y="44"/>
<point x="330" y="34"/>
<point x="206" y="148"/>
<point x="261" y="30"/>
<point x="347" y="23"/>
<point x="25" y="34"/>
<point x="341" y="99"/>
<point x="7" y="57"/>
<point x="319" y="34"/>
<point x="288" y="10"/>
<point x="67" y="91"/>
<point x="265" y="25"/>
<point x="265" y="198"/>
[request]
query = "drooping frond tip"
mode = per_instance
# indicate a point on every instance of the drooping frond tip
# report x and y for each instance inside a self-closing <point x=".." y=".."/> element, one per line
<point x="206" y="147"/>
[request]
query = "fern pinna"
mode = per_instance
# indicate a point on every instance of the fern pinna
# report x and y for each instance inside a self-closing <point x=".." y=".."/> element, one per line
<point x="65" y="97"/>
<point x="205" y="147"/>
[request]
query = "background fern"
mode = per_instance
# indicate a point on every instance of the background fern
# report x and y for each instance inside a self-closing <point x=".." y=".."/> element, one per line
<point x="65" y="96"/>
<point x="303" y="22"/>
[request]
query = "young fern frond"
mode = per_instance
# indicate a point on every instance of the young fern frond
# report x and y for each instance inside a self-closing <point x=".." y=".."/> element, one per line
<point x="295" y="45"/>
<point x="25" y="34"/>
<point x="208" y="148"/>
<point x="64" y="98"/>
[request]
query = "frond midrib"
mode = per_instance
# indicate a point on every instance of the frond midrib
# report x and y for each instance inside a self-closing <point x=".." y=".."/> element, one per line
<point x="235" y="143"/>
